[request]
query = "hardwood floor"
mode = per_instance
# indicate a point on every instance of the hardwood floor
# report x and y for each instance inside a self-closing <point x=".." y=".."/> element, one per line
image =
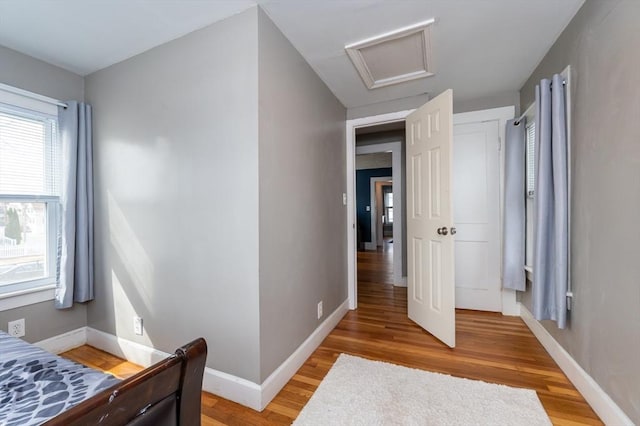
<point x="490" y="347"/>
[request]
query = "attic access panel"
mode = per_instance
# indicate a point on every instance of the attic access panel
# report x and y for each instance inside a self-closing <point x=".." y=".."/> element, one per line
<point x="394" y="57"/>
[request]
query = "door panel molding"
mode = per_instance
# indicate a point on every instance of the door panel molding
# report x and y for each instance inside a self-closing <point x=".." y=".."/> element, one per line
<point x="431" y="259"/>
<point x="501" y="116"/>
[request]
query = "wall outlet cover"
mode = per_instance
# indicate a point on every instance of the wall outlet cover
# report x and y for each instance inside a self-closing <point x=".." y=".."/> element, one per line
<point x="137" y="325"/>
<point x="320" y="309"/>
<point x="16" y="328"/>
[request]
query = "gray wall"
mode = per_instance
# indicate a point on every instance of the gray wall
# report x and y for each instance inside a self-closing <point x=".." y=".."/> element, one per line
<point x="603" y="335"/>
<point x="381" y="137"/>
<point x="378" y="160"/>
<point x="42" y="320"/>
<point x="497" y="100"/>
<point x="494" y="101"/>
<point x="32" y="74"/>
<point x="176" y="172"/>
<point x="302" y="177"/>
<point x="394" y="105"/>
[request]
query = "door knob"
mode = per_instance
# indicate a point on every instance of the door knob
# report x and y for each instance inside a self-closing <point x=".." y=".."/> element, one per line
<point x="443" y="231"/>
<point x="453" y="231"/>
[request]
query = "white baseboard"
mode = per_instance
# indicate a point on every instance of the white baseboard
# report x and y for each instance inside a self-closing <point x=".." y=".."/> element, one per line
<point x="217" y="382"/>
<point x="370" y="246"/>
<point x="510" y="306"/>
<point x="65" y="341"/>
<point x="276" y="380"/>
<point x="225" y="385"/>
<point x="258" y="397"/>
<point x="131" y="351"/>
<point x="233" y="388"/>
<point x="597" y="398"/>
<point x="401" y="283"/>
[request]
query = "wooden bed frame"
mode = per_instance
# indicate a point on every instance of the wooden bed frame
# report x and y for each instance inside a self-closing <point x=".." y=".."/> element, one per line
<point x="167" y="393"/>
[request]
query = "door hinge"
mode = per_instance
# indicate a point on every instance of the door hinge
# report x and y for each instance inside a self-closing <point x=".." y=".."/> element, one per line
<point x="499" y="143"/>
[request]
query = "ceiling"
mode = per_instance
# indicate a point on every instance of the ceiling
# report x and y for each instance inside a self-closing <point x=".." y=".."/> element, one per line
<point x="480" y="47"/>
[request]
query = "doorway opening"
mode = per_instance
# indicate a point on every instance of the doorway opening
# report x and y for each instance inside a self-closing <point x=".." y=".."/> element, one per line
<point x="359" y="127"/>
<point x="373" y="188"/>
<point x="380" y="197"/>
<point x="370" y="132"/>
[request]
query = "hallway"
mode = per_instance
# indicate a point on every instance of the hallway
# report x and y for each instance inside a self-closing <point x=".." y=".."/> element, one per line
<point x="490" y="347"/>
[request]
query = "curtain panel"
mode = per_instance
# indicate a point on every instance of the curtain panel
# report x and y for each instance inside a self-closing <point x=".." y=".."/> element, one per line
<point x="551" y="202"/>
<point x="75" y="245"/>
<point x="514" y="217"/>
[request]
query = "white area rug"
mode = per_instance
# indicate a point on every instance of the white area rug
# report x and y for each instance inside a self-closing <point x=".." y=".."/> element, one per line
<point x="357" y="391"/>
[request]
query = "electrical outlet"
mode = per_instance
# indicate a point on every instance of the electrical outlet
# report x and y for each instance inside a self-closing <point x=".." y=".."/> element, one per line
<point x="320" y="309"/>
<point x="16" y="328"/>
<point x="137" y="325"/>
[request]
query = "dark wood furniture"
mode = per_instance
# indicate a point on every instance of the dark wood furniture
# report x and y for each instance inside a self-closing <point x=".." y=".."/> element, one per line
<point x="167" y="393"/>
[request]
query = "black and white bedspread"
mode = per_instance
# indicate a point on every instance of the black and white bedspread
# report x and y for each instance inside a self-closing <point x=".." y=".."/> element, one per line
<point x="36" y="385"/>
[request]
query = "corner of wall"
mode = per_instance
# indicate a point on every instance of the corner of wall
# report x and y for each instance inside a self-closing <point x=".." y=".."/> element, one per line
<point x="176" y="129"/>
<point x="26" y="72"/>
<point x="301" y="180"/>
<point x="602" y="335"/>
<point x="597" y="398"/>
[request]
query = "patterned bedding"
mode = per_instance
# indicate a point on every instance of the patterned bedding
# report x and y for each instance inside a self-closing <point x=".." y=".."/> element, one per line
<point x="36" y="385"/>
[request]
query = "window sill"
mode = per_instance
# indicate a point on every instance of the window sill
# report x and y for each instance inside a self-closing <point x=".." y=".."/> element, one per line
<point x="31" y="296"/>
<point x="529" y="271"/>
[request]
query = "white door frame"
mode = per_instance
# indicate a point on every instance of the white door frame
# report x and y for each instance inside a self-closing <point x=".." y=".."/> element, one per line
<point x="509" y="304"/>
<point x="352" y="125"/>
<point x="501" y="115"/>
<point x="373" y="202"/>
<point x="477" y="275"/>
<point x="398" y="183"/>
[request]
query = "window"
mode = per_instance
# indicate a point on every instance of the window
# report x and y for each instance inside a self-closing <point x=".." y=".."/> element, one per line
<point x="388" y="207"/>
<point x="530" y="136"/>
<point x="531" y="158"/>
<point x="530" y="139"/>
<point x="30" y="176"/>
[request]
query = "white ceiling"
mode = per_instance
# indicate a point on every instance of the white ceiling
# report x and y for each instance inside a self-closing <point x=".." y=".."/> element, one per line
<point x="480" y="47"/>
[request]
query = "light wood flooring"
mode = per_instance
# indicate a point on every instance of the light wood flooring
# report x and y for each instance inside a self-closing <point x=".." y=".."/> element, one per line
<point x="490" y="347"/>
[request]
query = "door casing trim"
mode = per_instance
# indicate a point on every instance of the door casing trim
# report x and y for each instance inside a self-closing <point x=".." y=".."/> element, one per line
<point x="351" y="126"/>
<point x="502" y="114"/>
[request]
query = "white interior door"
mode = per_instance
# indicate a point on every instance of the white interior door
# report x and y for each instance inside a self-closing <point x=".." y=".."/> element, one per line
<point x="476" y="192"/>
<point x="430" y="245"/>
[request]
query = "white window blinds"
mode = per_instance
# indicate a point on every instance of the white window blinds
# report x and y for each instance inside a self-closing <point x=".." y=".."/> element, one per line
<point x="29" y="154"/>
<point x="531" y="158"/>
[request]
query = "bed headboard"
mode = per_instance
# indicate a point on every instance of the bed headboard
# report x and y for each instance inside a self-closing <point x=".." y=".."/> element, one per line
<point x="167" y="393"/>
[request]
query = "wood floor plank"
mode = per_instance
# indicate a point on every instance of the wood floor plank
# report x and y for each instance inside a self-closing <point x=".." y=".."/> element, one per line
<point x="490" y="347"/>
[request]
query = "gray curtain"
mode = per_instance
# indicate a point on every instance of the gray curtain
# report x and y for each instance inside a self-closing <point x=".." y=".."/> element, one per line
<point x="551" y="219"/>
<point x="75" y="279"/>
<point x="513" y="274"/>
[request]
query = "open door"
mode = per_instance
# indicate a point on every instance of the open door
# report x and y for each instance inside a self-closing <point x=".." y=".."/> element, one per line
<point x="430" y="244"/>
